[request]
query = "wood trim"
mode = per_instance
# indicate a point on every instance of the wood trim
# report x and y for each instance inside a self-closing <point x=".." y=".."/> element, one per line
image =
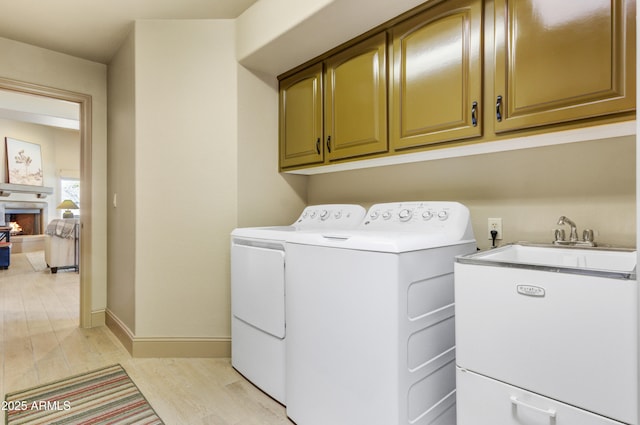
<point x="182" y="347"/>
<point x="120" y="330"/>
<point x="98" y="318"/>
<point x="84" y="102"/>
<point x="189" y="347"/>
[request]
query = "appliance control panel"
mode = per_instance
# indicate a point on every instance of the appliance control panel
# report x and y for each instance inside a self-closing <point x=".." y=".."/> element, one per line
<point x="331" y="216"/>
<point x="416" y="216"/>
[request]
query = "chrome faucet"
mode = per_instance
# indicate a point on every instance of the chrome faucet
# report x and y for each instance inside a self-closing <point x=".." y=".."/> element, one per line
<point x="573" y="236"/>
<point x="587" y="235"/>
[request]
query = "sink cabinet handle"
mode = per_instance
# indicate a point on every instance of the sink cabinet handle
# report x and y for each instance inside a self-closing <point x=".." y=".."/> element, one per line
<point x="499" y="108"/>
<point x="329" y="144"/>
<point x="474" y="114"/>
<point x="318" y="146"/>
<point x="549" y="412"/>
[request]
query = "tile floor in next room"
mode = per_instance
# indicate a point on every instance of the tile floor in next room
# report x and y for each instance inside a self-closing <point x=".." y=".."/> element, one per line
<point x="40" y="341"/>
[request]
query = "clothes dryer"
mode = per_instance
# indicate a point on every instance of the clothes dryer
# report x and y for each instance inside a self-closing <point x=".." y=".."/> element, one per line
<point x="370" y="318"/>
<point x="258" y="292"/>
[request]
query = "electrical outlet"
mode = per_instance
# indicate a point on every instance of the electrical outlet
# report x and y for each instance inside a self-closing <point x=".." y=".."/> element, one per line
<point x="495" y="224"/>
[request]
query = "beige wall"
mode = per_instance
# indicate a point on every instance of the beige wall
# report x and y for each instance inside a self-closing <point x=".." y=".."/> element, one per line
<point x="185" y="168"/>
<point x="44" y="67"/>
<point x="591" y="182"/>
<point x="122" y="185"/>
<point x="67" y="143"/>
<point x="265" y="197"/>
<point x="192" y="153"/>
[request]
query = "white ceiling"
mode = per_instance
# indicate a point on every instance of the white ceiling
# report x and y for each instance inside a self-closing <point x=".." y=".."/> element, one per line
<point x="94" y="29"/>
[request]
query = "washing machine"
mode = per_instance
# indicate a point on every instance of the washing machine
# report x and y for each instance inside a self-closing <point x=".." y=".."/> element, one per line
<point x="370" y="318"/>
<point x="258" y="292"/>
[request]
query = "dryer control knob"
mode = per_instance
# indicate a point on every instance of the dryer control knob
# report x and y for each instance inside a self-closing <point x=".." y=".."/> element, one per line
<point x="386" y="215"/>
<point x="324" y="214"/>
<point x="337" y="215"/>
<point x="427" y="215"/>
<point x="313" y="214"/>
<point x="405" y="215"/>
<point x="374" y="215"/>
<point x="443" y="215"/>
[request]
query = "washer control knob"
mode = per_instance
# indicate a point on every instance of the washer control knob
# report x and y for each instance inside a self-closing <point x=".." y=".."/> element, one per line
<point x="313" y="214"/>
<point x="427" y="215"/>
<point x="324" y="214"/>
<point x="405" y="214"/>
<point x="374" y="215"/>
<point x="443" y="215"/>
<point x="337" y="215"/>
<point x="386" y="215"/>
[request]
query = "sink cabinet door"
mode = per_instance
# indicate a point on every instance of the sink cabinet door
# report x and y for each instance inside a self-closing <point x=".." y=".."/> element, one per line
<point x="485" y="401"/>
<point x="356" y="100"/>
<point x="558" y="61"/>
<point x="437" y="75"/>
<point x="300" y="118"/>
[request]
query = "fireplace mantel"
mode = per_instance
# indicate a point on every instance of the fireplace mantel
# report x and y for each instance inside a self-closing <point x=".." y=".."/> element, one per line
<point x="6" y="189"/>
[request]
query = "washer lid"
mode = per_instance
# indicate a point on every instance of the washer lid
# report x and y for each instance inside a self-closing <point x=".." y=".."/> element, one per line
<point x="399" y="227"/>
<point x="392" y="242"/>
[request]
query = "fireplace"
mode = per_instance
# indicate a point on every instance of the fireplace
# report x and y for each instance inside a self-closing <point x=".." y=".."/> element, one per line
<point x="28" y="223"/>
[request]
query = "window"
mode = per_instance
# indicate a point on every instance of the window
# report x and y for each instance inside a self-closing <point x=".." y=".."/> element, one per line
<point x="70" y="189"/>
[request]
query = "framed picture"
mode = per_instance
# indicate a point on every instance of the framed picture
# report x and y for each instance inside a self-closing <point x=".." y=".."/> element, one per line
<point x="24" y="162"/>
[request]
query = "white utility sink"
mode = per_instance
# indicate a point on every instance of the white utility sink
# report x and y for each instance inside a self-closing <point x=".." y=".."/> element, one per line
<point x="584" y="260"/>
<point x="547" y="333"/>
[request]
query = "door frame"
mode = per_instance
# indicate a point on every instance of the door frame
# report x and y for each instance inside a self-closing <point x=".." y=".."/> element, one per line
<point x="84" y="102"/>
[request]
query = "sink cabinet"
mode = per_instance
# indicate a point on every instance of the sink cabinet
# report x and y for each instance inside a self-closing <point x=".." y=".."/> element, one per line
<point x="561" y="61"/>
<point x="437" y="80"/>
<point x="557" y="322"/>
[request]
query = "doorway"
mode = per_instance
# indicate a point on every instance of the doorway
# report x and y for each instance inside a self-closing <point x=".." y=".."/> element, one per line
<point x="84" y="103"/>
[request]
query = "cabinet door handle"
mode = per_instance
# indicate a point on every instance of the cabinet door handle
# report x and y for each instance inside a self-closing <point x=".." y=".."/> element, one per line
<point x="318" y="146"/>
<point x="329" y="144"/>
<point x="499" y="108"/>
<point x="474" y="114"/>
<point x="549" y="412"/>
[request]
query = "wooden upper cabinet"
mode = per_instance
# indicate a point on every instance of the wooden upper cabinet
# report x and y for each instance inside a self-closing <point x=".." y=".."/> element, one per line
<point x="417" y="82"/>
<point x="356" y="100"/>
<point x="300" y="118"/>
<point x="437" y="75"/>
<point x="562" y="60"/>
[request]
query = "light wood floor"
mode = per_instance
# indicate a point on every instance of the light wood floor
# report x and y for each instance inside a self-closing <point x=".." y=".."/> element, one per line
<point x="40" y="341"/>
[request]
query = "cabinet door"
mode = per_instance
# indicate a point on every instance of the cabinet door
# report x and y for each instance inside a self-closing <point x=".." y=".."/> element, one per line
<point x="558" y="61"/>
<point x="437" y="80"/>
<point x="485" y="401"/>
<point x="356" y="100"/>
<point x="301" y="118"/>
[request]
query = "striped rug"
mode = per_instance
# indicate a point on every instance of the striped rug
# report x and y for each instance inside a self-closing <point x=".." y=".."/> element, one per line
<point x="100" y="397"/>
